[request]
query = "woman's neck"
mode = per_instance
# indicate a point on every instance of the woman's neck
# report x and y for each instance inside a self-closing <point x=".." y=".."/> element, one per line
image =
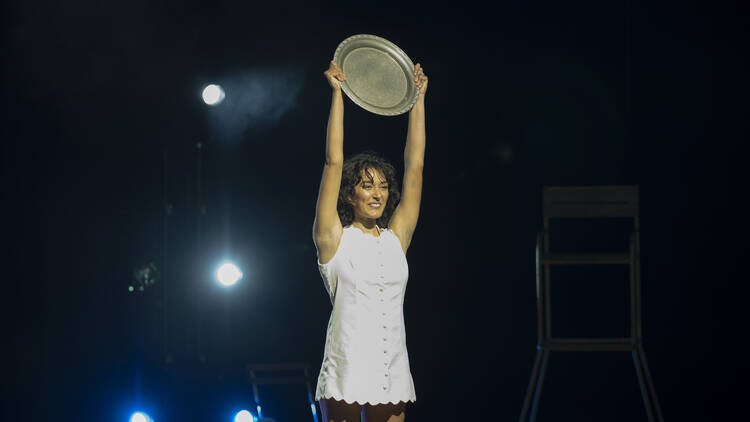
<point x="367" y="226"/>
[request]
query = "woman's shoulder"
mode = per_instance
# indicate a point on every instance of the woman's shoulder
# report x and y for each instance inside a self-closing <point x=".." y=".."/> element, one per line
<point x="396" y="239"/>
<point x="390" y="233"/>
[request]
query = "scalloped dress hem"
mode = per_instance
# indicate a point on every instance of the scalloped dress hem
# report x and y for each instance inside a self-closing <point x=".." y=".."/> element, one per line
<point x="411" y="400"/>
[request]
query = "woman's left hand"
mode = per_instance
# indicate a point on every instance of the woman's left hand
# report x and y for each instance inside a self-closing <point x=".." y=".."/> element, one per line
<point x="420" y="79"/>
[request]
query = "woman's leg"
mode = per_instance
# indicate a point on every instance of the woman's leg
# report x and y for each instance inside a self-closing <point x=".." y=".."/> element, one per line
<point x="340" y="411"/>
<point x="384" y="412"/>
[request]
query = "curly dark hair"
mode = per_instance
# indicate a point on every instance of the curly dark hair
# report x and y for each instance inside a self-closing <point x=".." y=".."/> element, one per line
<point x="351" y="174"/>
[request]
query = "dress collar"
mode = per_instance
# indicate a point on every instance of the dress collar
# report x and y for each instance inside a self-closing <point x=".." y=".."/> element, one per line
<point x="358" y="230"/>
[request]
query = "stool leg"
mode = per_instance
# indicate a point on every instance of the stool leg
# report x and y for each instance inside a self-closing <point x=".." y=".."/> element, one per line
<point x="650" y="383"/>
<point x="642" y="382"/>
<point x="531" y="388"/>
<point x="535" y="387"/>
<point x="540" y="384"/>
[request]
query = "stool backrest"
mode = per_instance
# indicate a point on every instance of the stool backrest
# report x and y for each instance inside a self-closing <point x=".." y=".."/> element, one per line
<point x="589" y="202"/>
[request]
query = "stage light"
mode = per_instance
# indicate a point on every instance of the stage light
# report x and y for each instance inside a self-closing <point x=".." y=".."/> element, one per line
<point x="228" y="274"/>
<point x="244" y="416"/>
<point x="140" y="417"/>
<point x="213" y="94"/>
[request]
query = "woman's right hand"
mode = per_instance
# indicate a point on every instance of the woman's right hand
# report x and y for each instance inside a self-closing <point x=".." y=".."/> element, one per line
<point x="335" y="76"/>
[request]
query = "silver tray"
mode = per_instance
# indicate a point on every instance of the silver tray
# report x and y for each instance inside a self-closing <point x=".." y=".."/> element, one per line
<point x="379" y="75"/>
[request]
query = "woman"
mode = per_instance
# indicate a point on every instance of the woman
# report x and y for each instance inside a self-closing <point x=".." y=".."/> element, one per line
<point x="362" y="232"/>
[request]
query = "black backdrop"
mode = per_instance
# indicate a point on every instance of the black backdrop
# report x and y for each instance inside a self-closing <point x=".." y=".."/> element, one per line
<point x="521" y="96"/>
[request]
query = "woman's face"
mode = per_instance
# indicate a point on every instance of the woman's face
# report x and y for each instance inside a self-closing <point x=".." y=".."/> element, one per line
<point x="370" y="195"/>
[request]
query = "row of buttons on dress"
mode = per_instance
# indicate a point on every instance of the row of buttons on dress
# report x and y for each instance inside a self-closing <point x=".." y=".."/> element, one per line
<point x="381" y="268"/>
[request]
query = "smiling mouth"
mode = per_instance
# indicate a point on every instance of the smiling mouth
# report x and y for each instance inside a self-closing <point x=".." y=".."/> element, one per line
<point x="375" y="205"/>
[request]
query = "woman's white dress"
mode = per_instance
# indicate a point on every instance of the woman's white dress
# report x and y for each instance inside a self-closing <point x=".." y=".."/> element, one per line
<point x="365" y="359"/>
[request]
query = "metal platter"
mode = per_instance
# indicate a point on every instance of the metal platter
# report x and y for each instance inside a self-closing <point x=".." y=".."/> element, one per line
<point x="379" y="75"/>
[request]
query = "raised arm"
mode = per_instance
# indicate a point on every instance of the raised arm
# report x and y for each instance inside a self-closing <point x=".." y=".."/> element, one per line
<point x="404" y="219"/>
<point x="327" y="225"/>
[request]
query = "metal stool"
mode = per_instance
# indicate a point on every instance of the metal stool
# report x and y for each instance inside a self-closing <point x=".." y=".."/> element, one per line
<point x="589" y="203"/>
<point x="277" y="378"/>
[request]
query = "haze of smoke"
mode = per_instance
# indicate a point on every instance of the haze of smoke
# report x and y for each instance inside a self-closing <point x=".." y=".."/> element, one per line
<point x="255" y="99"/>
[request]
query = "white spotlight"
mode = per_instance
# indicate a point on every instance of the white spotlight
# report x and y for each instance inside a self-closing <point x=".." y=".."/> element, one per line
<point x="228" y="274"/>
<point x="244" y="416"/>
<point x="140" y="417"/>
<point x="213" y="94"/>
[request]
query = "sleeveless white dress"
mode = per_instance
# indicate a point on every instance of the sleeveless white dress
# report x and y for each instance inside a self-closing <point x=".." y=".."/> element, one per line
<point x="365" y="359"/>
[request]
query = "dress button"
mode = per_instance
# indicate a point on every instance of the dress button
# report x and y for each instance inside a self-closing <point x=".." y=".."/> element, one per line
<point x="381" y="290"/>
<point x="385" y="339"/>
<point x="386" y="375"/>
<point x="383" y="313"/>
<point x="385" y="351"/>
<point x="384" y="388"/>
<point x="385" y="326"/>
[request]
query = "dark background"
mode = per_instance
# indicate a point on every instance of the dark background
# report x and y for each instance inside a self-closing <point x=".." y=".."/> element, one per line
<point x="97" y="97"/>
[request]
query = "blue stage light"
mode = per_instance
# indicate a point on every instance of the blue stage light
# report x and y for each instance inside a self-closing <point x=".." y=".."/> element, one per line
<point x="244" y="416"/>
<point x="140" y="417"/>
